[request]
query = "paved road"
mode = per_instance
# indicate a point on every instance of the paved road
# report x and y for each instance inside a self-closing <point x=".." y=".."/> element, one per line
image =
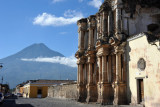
<point x="48" y="102"/>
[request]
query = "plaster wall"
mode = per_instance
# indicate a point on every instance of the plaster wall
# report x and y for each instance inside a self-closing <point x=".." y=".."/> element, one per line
<point x="136" y="49"/>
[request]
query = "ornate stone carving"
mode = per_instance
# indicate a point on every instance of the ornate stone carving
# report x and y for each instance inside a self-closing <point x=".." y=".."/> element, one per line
<point x="101" y="43"/>
<point x="141" y="64"/>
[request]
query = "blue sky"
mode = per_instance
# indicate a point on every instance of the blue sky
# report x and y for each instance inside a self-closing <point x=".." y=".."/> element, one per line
<point x="52" y="22"/>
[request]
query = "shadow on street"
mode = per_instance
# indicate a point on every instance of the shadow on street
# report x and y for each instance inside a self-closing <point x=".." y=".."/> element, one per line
<point x="10" y="102"/>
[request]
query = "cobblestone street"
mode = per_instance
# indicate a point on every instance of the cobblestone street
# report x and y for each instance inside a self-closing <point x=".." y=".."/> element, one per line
<point x="49" y="102"/>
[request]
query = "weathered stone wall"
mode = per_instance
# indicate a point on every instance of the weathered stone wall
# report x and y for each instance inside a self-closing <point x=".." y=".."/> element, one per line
<point x="63" y="91"/>
<point x="141" y="19"/>
<point x="140" y="48"/>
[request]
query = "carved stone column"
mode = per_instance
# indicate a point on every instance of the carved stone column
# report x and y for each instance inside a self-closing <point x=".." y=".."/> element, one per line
<point x="101" y="24"/>
<point x="105" y="24"/>
<point x="91" y="25"/>
<point x="106" y="86"/>
<point x="82" y="34"/>
<point x="118" y="23"/>
<point x="91" y="36"/>
<point x="104" y="69"/>
<point x="100" y="78"/>
<point x="82" y="27"/>
<point x="124" y="68"/>
<point x="120" y="86"/>
<point x="78" y="74"/>
<point x="90" y="73"/>
<point x="91" y="86"/>
<point x="110" y="23"/>
<point x="109" y="68"/>
<point x="113" y="68"/>
<point x="98" y="25"/>
<point x="81" y="85"/>
<point x="118" y="67"/>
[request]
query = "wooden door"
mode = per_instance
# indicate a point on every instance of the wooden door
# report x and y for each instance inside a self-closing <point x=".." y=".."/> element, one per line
<point x="141" y="90"/>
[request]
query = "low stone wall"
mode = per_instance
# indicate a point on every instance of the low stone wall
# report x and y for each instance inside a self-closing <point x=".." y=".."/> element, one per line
<point x="63" y="91"/>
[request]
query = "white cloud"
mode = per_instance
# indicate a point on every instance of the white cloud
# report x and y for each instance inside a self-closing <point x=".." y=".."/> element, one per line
<point x="55" y="1"/>
<point x="72" y="13"/>
<point x="70" y="17"/>
<point x="69" y="61"/>
<point x="95" y="3"/>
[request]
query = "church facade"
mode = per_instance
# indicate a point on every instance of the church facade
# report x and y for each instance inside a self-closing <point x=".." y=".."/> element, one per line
<point x="116" y="51"/>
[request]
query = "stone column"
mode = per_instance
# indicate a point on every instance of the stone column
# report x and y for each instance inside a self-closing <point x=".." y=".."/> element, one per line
<point x="106" y="86"/>
<point x="118" y="23"/>
<point x="90" y="73"/>
<point x="85" y="74"/>
<point x="109" y="68"/>
<point x="78" y="74"/>
<point x="110" y="25"/>
<point x="91" y="41"/>
<point x="113" y="68"/>
<point x="91" y="87"/>
<point x="81" y="73"/>
<point x="82" y="27"/>
<point x="100" y="78"/>
<point x="81" y="85"/>
<point x="101" y="23"/>
<point x="120" y="87"/>
<point x="124" y="68"/>
<point x="98" y="26"/>
<point x="105" y="24"/>
<point x="118" y="67"/>
<point x="104" y="69"/>
<point x="81" y="41"/>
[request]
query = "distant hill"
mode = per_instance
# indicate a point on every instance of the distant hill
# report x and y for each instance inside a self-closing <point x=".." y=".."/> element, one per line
<point x="16" y="70"/>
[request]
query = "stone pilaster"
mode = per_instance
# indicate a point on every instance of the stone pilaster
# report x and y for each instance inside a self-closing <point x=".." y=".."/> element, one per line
<point x="100" y="78"/>
<point x="101" y="24"/>
<point x="91" y="29"/>
<point x="91" y="41"/>
<point x="91" y="86"/>
<point x="109" y="64"/>
<point x="113" y="68"/>
<point x="118" y="19"/>
<point x="105" y="24"/>
<point x="120" y="86"/>
<point x="105" y="85"/>
<point x="124" y="68"/>
<point x="110" y="23"/>
<point x="98" y="25"/>
<point x="82" y="27"/>
<point x="81" y="86"/>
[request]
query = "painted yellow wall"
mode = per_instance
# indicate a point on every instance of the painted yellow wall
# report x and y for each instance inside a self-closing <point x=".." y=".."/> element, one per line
<point x="34" y="90"/>
<point x="44" y="91"/>
<point x="140" y="48"/>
